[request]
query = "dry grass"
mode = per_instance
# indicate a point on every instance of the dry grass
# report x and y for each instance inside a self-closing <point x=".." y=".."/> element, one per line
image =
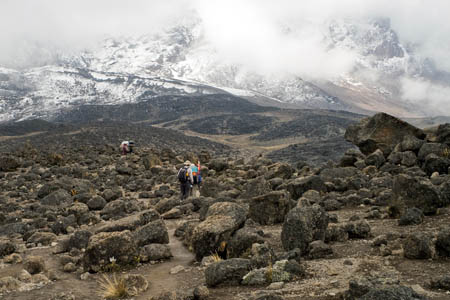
<point x="215" y="256"/>
<point x="113" y="288"/>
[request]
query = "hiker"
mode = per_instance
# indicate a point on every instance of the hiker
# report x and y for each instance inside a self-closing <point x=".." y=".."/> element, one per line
<point x="126" y="147"/>
<point x="186" y="179"/>
<point x="197" y="180"/>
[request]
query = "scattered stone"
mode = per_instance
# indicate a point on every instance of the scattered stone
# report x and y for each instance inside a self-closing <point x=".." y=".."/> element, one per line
<point x="155" y="252"/>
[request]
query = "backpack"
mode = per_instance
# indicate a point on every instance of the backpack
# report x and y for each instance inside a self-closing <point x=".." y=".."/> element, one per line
<point x="182" y="175"/>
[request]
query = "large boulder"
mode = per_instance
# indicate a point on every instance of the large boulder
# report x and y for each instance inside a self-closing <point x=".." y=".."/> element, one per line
<point x="411" y="192"/>
<point x="107" y="248"/>
<point x="243" y="239"/>
<point x="434" y="163"/>
<point x="227" y="272"/>
<point x="270" y="208"/>
<point x="443" y="134"/>
<point x="153" y="232"/>
<point x="223" y="219"/>
<point x="300" y="185"/>
<point x="417" y="246"/>
<point x="256" y="187"/>
<point x="302" y="226"/>
<point x="381" y="131"/>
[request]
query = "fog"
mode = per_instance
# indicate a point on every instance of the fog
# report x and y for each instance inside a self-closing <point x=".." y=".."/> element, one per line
<point x="264" y="36"/>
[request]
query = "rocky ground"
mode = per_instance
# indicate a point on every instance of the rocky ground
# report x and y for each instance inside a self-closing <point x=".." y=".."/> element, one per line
<point x="373" y="225"/>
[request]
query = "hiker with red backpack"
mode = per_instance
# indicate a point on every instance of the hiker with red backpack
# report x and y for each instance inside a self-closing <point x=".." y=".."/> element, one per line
<point x="186" y="179"/>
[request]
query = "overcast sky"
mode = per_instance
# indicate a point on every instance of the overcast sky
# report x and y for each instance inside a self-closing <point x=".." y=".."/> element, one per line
<point x="243" y="31"/>
<point x="253" y="25"/>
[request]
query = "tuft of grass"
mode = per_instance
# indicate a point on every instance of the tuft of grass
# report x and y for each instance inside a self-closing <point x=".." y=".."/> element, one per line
<point x="113" y="288"/>
<point x="215" y="256"/>
<point x="446" y="152"/>
<point x="269" y="271"/>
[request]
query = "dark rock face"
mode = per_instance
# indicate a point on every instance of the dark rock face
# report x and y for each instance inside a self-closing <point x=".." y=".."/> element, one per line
<point x="227" y="272"/>
<point x="270" y="208"/>
<point x="411" y="192"/>
<point x="105" y="246"/>
<point x="381" y="131"/>
<point x="302" y="226"/>
<point x="417" y="246"/>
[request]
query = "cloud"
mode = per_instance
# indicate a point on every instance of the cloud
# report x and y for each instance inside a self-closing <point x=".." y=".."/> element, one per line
<point x="263" y="36"/>
<point x="433" y="98"/>
<point x="35" y="31"/>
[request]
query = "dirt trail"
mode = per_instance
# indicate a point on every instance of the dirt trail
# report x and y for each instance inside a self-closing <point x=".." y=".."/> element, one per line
<point x="157" y="275"/>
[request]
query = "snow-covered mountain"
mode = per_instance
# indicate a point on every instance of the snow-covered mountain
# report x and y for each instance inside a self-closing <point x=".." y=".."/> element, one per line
<point x="181" y="61"/>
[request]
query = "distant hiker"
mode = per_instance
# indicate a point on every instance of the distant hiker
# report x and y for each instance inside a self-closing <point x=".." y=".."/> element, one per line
<point x="197" y="180"/>
<point x="186" y="179"/>
<point x="126" y="147"/>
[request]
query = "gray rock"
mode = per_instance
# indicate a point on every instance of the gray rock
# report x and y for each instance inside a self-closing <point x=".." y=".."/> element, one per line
<point x="300" y="185"/>
<point x="271" y="208"/>
<point x="358" y="230"/>
<point x="435" y="163"/>
<point x="412" y="216"/>
<point x="302" y="226"/>
<point x="380" y="131"/>
<point x="318" y="249"/>
<point x="411" y="192"/>
<point x="223" y="219"/>
<point x="242" y="241"/>
<point x="442" y="282"/>
<point x="227" y="272"/>
<point x="79" y="239"/>
<point x="153" y="232"/>
<point x="8" y="164"/>
<point x="43" y="238"/>
<point x="443" y="242"/>
<point x="411" y="143"/>
<point x="57" y="198"/>
<point x="417" y="246"/>
<point x="6" y="248"/>
<point x="107" y="248"/>
<point x="96" y="203"/>
<point x="375" y="159"/>
<point x="256" y="277"/>
<point x="155" y="252"/>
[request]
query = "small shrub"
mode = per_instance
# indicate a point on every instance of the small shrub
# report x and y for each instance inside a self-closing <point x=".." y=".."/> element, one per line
<point x="216" y="257"/>
<point x="112" y="288"/>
